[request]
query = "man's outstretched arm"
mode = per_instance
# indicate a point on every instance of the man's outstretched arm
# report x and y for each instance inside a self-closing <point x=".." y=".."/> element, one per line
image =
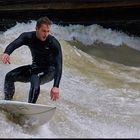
<point x="5" y="57"/>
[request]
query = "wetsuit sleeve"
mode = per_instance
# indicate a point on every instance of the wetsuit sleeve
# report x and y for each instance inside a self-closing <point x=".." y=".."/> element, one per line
<point x="15" y="44"/>
<point x="58" y="64"/>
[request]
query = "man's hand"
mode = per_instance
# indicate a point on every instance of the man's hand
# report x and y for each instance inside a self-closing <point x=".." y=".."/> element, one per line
<point x="54" y="93"/>
<point x="5" y="58"/>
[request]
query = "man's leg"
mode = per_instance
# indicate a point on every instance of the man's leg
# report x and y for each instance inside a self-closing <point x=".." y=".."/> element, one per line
<point x="34" y="89"/>
<point x="47" y="76"/>
<point x="39" y="76"/>
<point x="9" y="87"/>
<point x="21" y="74"/>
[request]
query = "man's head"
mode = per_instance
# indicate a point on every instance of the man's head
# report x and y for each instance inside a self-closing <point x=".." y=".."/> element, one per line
<point x="43" y="27"/>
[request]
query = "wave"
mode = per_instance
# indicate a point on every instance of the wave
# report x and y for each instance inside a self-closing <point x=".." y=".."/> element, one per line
<point x="88" y="35"/>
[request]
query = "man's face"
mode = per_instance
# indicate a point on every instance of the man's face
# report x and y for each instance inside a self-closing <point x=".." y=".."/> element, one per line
<point x="43" y="31"/>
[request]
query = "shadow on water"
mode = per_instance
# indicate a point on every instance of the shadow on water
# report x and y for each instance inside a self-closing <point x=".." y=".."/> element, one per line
<point x="118" y="54"/>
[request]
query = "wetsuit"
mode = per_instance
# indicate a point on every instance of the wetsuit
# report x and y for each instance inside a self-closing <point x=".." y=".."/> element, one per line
<point x="46" y="65"/>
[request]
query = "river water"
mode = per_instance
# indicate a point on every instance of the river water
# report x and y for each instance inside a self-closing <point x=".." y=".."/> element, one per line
<point x="99" y="88"/>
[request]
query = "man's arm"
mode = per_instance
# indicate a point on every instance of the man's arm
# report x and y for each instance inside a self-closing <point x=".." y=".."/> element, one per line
<point x="58" y="72"/>
<point x="15" y="44"/>
<point x="5" y="57"/>
<point x="58" y="66"/>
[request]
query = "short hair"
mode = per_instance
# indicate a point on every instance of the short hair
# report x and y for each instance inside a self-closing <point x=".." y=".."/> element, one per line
<point x="43" y="20"/>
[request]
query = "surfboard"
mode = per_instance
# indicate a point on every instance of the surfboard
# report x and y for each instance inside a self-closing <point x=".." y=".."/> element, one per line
<point x="27" y="113"/>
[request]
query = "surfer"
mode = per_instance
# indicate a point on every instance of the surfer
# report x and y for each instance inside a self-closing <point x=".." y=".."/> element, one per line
<point x="46" y="62"/>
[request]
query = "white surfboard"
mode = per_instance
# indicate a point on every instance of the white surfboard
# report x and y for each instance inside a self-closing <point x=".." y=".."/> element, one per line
<point x="28" y="113"/>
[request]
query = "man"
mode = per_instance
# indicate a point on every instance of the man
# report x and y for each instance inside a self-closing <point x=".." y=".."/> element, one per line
<point x="46" y="62"/>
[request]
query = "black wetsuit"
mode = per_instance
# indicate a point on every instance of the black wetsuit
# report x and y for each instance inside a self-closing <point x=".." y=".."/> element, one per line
<point x="46" y="64"/>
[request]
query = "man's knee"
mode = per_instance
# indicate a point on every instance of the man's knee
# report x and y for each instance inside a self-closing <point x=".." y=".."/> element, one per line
<point x="47" y="78"/>
<point x="9" y="76"/>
